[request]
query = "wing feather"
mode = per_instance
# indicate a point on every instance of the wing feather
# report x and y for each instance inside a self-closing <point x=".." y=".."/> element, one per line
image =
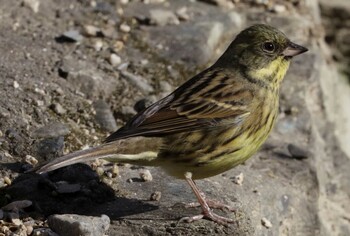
<point x="192" y="106"/>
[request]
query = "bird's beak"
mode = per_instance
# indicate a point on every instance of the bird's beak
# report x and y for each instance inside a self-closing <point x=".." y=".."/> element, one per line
<point x="293" y="49"/>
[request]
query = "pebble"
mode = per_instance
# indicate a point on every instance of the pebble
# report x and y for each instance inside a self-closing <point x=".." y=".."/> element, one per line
<point x="74" y="225"/>
<point x="32" y="4"/>
<point x="138" y="81"/>
<point x="51" y="130"/>
<point x="104" y="116"/>
<point x="57" y="108"/>
<point x="72" y="35"/>
<point x="297" y="152"/>
<point x="98" y="45"/>
<point x="17" y="205"/>
<point x="128" y="112"/>
<point x="279" y="8"/>
<point x="125" y="28"/>
<point x="118" y="45"/>
<point x="156" y="196"/>
<point x="238" y="179"/>
<point x="182" y="14"/>
<point x="50" y="147"/>
<point x="44" y="232"/>
<point x="114" y="59"/>
<point x="115" y="171"/>
<point x="7" y="180"/>
<point x="163" y="17"/>
<point x="30" y="160"/>
<point x="146" y="176"/>
<point x="266" y="223"/>
<point x="100" y="171"/>
<point x="15" y="84"/>
<point x="91" y="30"/>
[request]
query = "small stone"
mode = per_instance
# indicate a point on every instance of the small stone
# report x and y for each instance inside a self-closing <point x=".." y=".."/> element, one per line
<point x="51" y="130"/>
<point x="182" y="14"/>
<point x="44" y="232"/>
<point x="114" y="59"/>
<point x="50" y="147"/>
<point x="115" y="171"/>
<point x="104" y="116"/>
<point x="118" y="45"/>
<point x="156" y="196"/>
<point x="163" y="17"/>
<point x="7" y="180"/>
<point x="124" y="2"/>
<point x="56" y="107"/>
<point x="100" y="171"/>
<point x="238" y="179"/>
<point x="71" y="224"/>
<point x="32" y="4"/>
<point x="129" y="180"/>
<point x="298" y="152"/>
<point x="138" y="81"/>
<point x="31" y="160"/>
<point x="279" y="8"/>
<point x="91" y="30"/>
<point x="266" y="223"/>
<point x="15" y="84"/>
<point x="71" y="36"/>
<point x="98" y="45"/>
<point x="125" y="28"/>
<point x="146" y="176"/>
<point x="165" y="86"/>
<point x="17" y="205"/>
<point x="29" y="229"/>
<point x="16" y="221"/>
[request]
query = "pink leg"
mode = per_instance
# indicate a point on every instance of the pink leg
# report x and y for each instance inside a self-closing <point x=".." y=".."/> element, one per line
<point x="206" y="211"/>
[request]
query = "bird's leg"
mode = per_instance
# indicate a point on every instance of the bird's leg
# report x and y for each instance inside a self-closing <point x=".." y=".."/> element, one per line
<point x="206" y="211"/>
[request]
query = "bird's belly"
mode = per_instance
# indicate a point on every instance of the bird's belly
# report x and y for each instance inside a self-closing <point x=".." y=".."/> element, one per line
<point x="206" y="161"/>
<point x="205" y="157"/>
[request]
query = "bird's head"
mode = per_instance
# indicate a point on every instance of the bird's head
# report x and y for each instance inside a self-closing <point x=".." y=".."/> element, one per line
<point x="262" y="51"/>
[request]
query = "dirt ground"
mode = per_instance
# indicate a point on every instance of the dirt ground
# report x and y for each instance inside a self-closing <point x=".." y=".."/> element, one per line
<point x="56" y="74"/>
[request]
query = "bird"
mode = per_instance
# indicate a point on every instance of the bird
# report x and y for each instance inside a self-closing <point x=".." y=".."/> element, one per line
<point x="213" y="122"/>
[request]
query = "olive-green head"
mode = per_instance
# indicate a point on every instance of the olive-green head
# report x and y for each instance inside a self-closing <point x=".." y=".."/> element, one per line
<point x="259" y="45"/>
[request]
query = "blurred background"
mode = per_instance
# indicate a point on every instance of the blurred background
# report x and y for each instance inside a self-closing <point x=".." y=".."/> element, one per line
<point x="72" y="72"/>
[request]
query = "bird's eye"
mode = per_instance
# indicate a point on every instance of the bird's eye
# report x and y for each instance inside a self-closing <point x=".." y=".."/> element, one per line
<point x="269" y="47"/>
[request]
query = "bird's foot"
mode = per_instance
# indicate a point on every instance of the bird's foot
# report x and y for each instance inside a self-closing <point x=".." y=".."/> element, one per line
<point x="206" y="206"/>
<point x="212" y="204"/>
<point x="210" y="215"/>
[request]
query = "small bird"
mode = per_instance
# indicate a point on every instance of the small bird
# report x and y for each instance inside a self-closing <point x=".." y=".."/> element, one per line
<point x="211" y="123"/>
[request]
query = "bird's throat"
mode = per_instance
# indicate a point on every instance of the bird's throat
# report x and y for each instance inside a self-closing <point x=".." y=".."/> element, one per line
<point x="273" y="72"/>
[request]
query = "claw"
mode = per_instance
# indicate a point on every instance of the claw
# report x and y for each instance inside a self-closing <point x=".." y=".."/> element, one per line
<point x="206" y="206"/>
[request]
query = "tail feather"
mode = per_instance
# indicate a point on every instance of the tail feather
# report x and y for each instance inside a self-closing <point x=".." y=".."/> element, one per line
<point x="114" y="151"/>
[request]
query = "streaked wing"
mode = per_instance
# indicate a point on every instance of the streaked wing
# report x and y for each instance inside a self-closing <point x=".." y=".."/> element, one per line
<point x="211" y="98"/>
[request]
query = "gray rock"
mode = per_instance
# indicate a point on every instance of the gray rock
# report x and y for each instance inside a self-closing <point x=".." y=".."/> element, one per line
<point x="163" y="17"/>
<point x="137" y="80"/>
<point x="298" y="152"/>
<point x="72" y="35"/>
<point x="191" y="43"/>
<point x="52" y="130"/>
<point x="50" y="148"/>
<point x="57" y="107"/>
<point x="78" y="225"/>
<point x="104" y="116"/>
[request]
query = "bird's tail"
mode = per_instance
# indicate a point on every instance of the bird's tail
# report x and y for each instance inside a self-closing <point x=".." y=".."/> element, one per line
<point x="132" y="150"/>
